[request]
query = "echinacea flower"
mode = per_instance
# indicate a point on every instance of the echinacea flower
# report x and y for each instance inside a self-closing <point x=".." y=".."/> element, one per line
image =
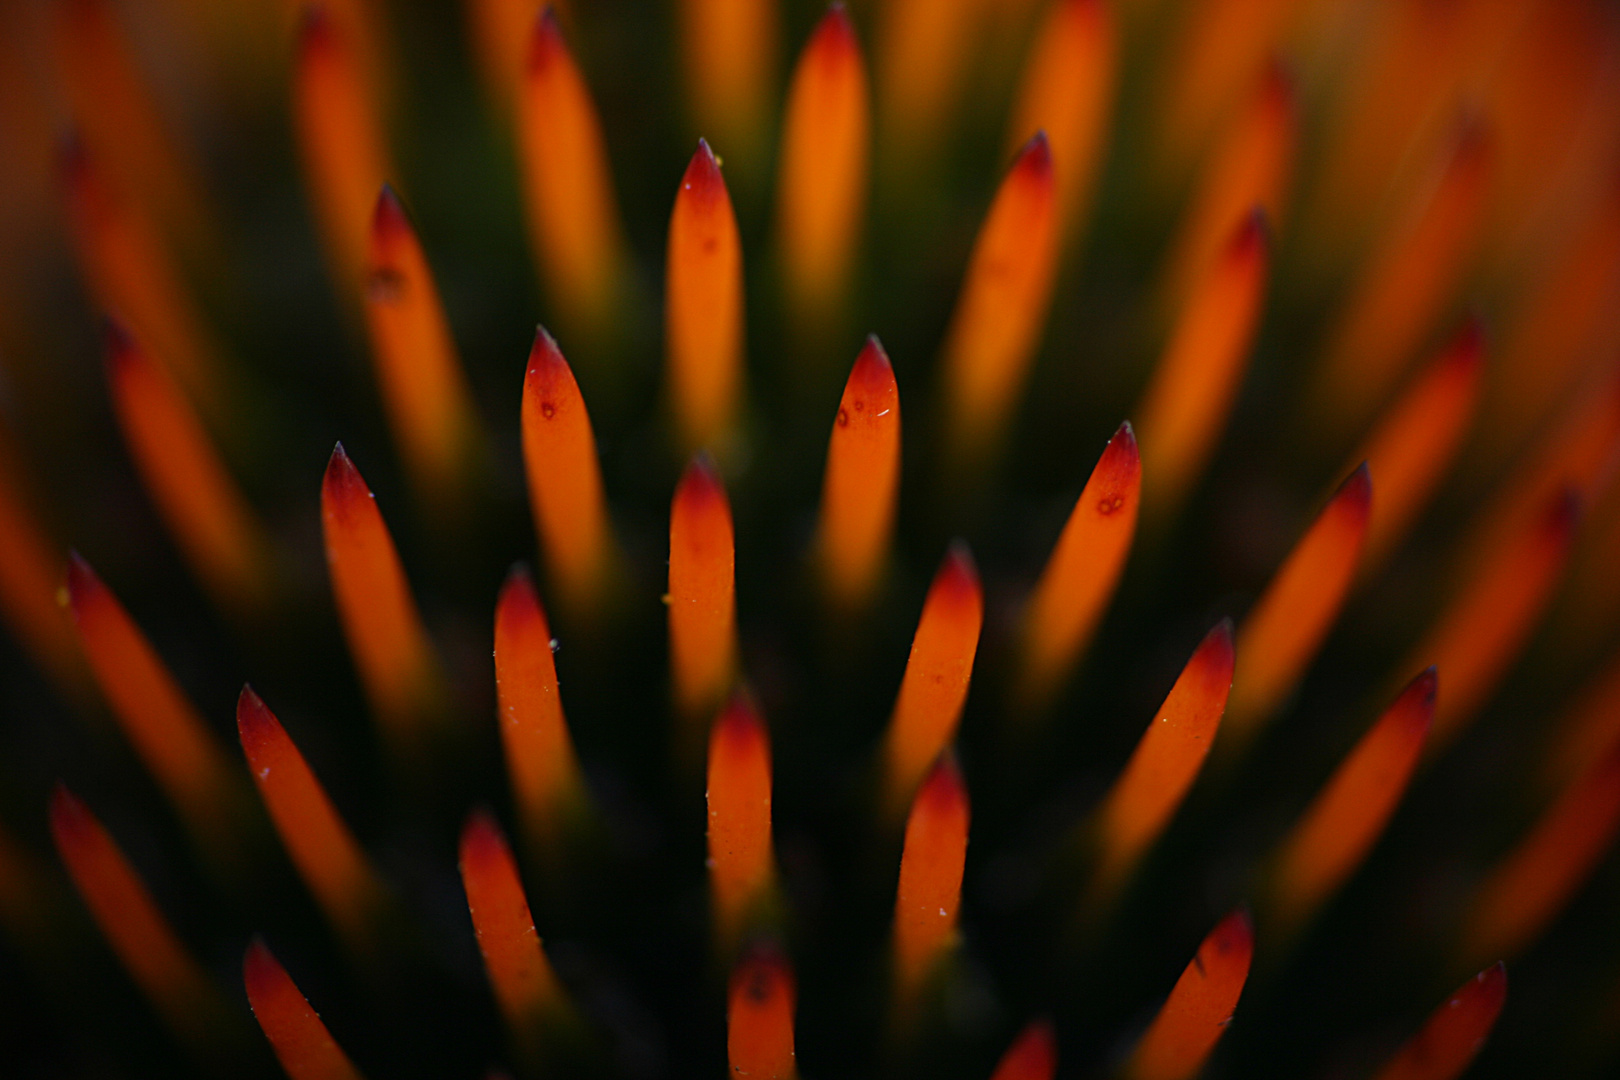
<point x="1212" y="674"/>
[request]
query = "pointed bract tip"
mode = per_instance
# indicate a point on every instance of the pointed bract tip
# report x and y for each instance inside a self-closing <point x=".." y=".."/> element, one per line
<point x="480" y="835"/>
<point x="389" y="215"/>
<point x="1036" y="155"/>
<point x="79" y="579"/>
<point x="872" y="369"/>
<point x="943" y="788"/>
<point x="740" y="720"/>
<point x="1564" y="512"/>
<point x="248" y="701"/>
<point x="1235" y="933"/>
<point x="958" y="572"/>
<point x="1469" y="345"/>
<point x="1356" y="491"/>
<point x="341" y="477"/>
<point x="1122" y="446"/>
<point x="259" y="965"/>
<point x="518" y="576"/>
<point x="545" y="353"/>
<point x="68" y="812"/>
<point x="1425" y="687"/>
<point x="1253" y="235"/>
<point x="702" y="176"/>
<point x="834" y="30"/>
<point x="314" y="25"/>
<point x="545" y="39"/>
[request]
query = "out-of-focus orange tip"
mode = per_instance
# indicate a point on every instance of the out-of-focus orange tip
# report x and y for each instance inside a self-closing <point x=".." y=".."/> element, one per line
<point x="935" y="685"/>
<point x="1032" y="1056"/>
<point x="572" y="209"/>
<point x="1553" y="332"/>
<point x="396" y="662"/>
<point x="303" y="1046"/>
<point x="546" y="783"/>
<point x="1482" y="630"/>
<point x="525" y="987"/>
<point x="30" y="574"/>
<point x="1194" y="1017"/>
<point x="161" y="723"/>
<point x="1281" y="634"/>
<point x="423" y="385"/>
<point x="130" y="270"/>
<point x="1197" y="377"/>
<point x="166" y="972"/>
<point x="925" y="49"/>
<point x="1067" y="91"/>
<point x="1418" y="437"/>
<point x="702" y="596"/>
<point x="759" y="1017"/>
<point x="1345" y="819"/>
<point x="1000" y="314"/>
<point x="1454" y="1033"/>
<point x="500" y="30"/>
<point x="1588" y="730"/>
<point x="327" y="856"/>
<point x="119" y="114"/>
<point x="180" y="468"/>
<point x="1082" y="571"/>
<point x="1405" y="284"/>
<point x="741" y="863"/>
<point x="565" y="480"/>
<point x="862" y="482"/>
<point x="729" y="58"/>
<point x="703" y="305"/>
<point x="930" y="892"/>
<point x="1218" y="49"/>
<point x="1166" y="760"/>
<point x="1530" y="886"/>
<point x="341" y="139"/>
<point x="821" y="185"/>
<point x="1250" y="168"/>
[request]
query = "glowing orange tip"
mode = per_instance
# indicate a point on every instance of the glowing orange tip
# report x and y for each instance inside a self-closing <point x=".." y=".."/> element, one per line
<point x="129" y="919"/>
<point x="739" y="797"/>
<point x="546" y="783"/>
<point x="1083" y="569"/>
<point x="822" y="177"/>
<point x="1532" y="884"/>
<point x="568" y="184"/>
<point x="521" y="977"/>
<point x="380" y="620"/>
<point x="1281" y="635"/>
<point x="759" y="1017"/>
<point x="180" y="467"/>
<point x="327" y="856"/>
<point x="302" y="1044"/>
<point x="703" y="308"/>
<point x="1346" y="818"/>
<point x="1167" y="759"/>
<point x="702" y="590"/>
<point x="931" y="865"/>
<point x="1480" y="634"/>
<point x="1197" y="377"/>
<point x="1001" y="311"/>
<point x="862" y="481"/>
<point x="154" y="713"/>
<point x="938" y="671"/>
<point x="1199" y="1008"/>
<point x="1032" y="1056"/>
<point x="1419" y="436"/>
<point x="1066" y="90"/>
<point x="565" y="477"/>
<point x="1455" y="1032"/>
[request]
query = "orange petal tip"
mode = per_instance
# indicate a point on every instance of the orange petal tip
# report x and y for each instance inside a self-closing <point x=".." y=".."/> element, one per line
<point x="872" y="368"/>
<point x="958" y="576"/>
<point x="388" y="219"/>
<point x="702" y="177"/>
